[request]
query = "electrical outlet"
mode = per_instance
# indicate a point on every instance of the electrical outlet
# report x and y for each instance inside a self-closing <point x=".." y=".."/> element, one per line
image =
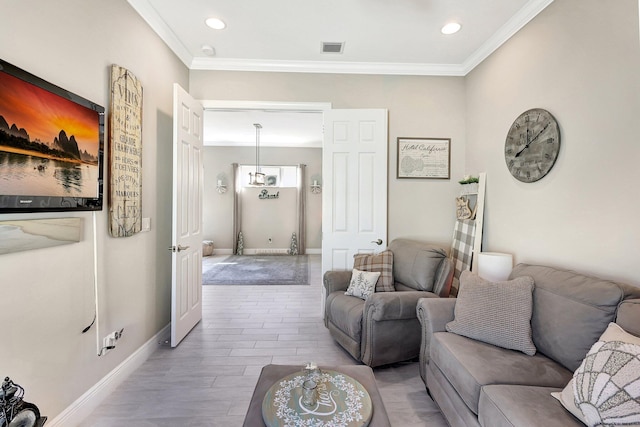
<point x="109" y="342"/>
<point x="118" y="334"/>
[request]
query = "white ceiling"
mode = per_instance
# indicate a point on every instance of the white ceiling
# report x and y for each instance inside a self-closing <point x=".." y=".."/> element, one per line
<point x="399" y="37"/>
<point x="380" y="36"/>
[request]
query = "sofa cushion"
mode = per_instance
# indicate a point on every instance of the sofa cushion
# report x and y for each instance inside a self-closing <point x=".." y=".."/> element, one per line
<point x="565" y="397"/>
<point x="469" y="364"/>
<point x="522" y="406"/>
<point x="495" y="313"/>
<point x="345" y="312"/>
<point x="628" y="316"/>
<point x="570" y="311"/>
<point x="362" y="284"/>
<point x="382" y="263"/>
<point x="415" y="264"/>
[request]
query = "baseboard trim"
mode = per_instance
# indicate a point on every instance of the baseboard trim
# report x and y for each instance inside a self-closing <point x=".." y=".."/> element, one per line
<point x="223" y="251"/>
<point x="89" y="401"/>
<point x="270" y="251"/>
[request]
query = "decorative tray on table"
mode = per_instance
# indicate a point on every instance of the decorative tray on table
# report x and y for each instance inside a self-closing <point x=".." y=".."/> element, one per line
<point x="341" y="402"/>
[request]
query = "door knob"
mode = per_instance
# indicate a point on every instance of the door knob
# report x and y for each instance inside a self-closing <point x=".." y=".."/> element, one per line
<point x="178" y="248"/>
<point x="377" y="242"/>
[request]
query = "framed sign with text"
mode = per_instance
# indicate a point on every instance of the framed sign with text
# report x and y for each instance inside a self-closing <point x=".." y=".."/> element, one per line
<point x="424" y="158"/>
<point x="125" y="159"/>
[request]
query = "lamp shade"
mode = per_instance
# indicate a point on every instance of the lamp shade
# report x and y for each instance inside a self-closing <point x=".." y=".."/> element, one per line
<point x="494" y="266"/>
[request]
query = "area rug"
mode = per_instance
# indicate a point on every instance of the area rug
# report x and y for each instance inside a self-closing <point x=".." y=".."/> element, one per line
<point x="258" y="270"/>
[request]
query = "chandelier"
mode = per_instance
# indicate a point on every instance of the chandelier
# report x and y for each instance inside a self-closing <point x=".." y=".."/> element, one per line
<point x="257" y="178"/>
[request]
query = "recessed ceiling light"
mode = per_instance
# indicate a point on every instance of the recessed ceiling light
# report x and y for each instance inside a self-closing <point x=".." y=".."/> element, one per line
<point x="451" y="28"/>
<point x="215" y="23"/>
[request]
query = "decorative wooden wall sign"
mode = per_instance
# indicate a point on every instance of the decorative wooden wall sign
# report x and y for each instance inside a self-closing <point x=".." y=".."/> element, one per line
<point x="125" y="160"/>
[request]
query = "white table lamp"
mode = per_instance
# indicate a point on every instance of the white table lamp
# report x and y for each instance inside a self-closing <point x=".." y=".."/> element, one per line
<point x="494" y="266"/>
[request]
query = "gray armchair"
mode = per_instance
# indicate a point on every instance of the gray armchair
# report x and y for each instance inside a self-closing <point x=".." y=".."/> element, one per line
<point x="384" y="328"/>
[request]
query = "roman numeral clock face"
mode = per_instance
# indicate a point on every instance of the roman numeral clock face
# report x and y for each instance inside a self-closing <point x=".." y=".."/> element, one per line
<point x="532" y="145"/>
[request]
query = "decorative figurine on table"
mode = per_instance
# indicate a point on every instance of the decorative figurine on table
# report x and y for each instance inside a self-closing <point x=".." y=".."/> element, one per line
<point x="310" y="385"/>
<point x="312" y="371"/>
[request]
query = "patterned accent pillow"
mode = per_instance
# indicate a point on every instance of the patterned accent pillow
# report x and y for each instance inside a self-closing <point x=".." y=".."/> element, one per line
<point x="605" y="389"/>
<point x="496" y="313"/>
<point x="363" y="283"/>
<point x="382" y="262"/>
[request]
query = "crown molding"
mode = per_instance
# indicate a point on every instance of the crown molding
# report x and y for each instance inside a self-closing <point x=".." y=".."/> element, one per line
<point x="512" y="26"/>
<point x="330" y="67"/>
<point x="151" y="16"/>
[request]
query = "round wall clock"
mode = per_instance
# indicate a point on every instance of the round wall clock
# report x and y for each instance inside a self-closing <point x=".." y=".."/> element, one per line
<point x="532" y="145"/>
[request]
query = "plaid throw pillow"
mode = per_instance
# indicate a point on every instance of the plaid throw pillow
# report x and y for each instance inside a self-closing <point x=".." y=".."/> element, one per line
<point x="383" y="263"/>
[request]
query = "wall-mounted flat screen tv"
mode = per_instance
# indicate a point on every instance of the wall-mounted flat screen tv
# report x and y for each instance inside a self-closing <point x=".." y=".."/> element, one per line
<point x="51" y="146"/>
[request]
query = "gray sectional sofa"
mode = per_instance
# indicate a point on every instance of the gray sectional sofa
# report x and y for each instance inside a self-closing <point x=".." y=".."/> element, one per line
<point x="479" y="384"/>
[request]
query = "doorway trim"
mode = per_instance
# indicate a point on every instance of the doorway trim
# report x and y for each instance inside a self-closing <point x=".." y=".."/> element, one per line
<point x="265" y="105"/>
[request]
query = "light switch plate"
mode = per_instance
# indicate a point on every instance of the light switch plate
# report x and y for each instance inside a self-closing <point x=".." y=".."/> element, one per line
<point x="146" y="224"/>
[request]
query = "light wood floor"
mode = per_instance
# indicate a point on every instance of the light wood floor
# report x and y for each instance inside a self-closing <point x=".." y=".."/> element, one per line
<point x="209" y="378"/>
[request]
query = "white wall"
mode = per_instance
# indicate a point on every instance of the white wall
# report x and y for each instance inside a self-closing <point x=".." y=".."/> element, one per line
<point x="264" y="219"/>
<point x="276" y="218"/>
<point x="47" y="295"/>
<point x="418" y="107"/>
<point x="579" y="59"/>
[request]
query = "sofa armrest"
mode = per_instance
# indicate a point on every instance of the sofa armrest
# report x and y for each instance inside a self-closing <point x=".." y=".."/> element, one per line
<point x="394" y="305"/>
<point x="444" y="278"/>
<point x="336" y="281"/>
<point x="433" y="314"/>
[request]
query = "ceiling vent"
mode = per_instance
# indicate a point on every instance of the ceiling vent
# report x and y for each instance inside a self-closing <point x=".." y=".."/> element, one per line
<point x="332" y="47"/>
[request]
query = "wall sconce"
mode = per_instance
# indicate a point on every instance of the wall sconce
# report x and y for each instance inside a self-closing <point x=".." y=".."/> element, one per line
<point x="316" y="186"/>
<point x="221" y="185"/>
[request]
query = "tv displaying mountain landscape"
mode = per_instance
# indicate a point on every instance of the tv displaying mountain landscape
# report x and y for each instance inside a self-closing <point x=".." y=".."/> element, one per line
<point x="51" y="146"/>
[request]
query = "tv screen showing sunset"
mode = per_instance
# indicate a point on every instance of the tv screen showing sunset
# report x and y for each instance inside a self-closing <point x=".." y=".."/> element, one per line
<point x="49" y="145"/>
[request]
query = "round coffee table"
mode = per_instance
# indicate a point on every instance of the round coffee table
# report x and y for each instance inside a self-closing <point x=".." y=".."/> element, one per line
<point x="342" y="401"/>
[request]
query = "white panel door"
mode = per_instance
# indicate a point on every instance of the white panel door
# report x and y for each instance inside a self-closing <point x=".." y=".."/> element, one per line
<point x="354" y="171"/>
<point x="186" y="240"/>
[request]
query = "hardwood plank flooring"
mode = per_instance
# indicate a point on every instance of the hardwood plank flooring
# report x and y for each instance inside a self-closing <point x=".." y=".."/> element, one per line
<point x="209" y="378"/>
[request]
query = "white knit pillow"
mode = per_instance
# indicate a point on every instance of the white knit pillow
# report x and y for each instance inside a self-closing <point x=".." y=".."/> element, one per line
<point x="363" y="283"/>
<point x="496" y="313"/>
